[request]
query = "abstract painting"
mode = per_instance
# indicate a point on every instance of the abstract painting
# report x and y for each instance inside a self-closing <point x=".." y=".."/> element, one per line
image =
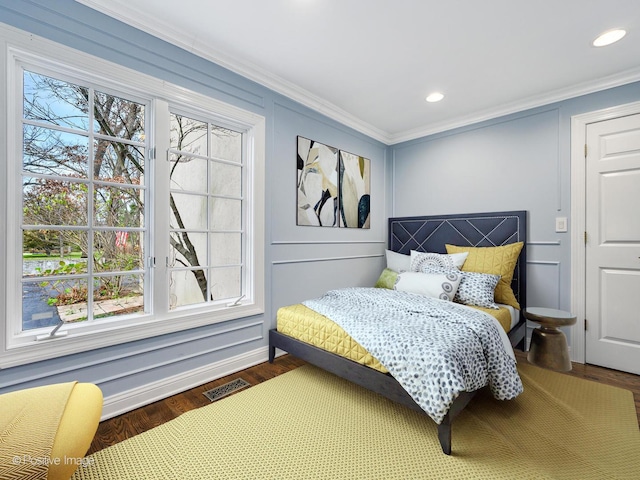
<point x="334" y="186"/>
<point x="317" y="184"/>
<point x="355" y="190"/>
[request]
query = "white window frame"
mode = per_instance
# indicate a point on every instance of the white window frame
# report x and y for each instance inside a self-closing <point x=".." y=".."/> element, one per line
<point x="16" y="348"/>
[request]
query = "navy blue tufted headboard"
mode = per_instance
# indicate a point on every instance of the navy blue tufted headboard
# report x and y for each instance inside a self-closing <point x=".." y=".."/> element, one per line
<point x="430" y="233"/>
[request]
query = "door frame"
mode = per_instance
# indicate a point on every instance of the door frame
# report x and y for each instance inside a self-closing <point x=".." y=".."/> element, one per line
<point x="578" y="217"/>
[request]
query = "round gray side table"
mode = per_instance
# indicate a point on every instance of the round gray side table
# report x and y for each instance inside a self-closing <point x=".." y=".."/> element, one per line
<point x="549" y="347"/>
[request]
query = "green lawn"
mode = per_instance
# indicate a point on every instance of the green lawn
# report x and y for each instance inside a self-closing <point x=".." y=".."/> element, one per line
<point x="34" y="256"/>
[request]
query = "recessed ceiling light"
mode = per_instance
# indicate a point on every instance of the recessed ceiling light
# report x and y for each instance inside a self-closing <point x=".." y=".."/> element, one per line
<point x="609" y="37"/>
<point x="435" y="97"/>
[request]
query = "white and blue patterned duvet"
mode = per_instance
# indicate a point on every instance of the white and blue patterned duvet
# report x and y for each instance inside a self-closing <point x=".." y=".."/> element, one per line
<point x="434" y="348"/>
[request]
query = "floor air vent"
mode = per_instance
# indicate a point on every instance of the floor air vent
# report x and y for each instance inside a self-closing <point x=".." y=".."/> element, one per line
<point x="226" y="389"/>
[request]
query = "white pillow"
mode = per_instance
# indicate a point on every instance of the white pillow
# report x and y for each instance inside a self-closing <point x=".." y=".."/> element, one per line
<point x="477" y="289"/>
<point x="435" y="285"/>
<point x="426" y="261"/>
<point x="398" y="262"/>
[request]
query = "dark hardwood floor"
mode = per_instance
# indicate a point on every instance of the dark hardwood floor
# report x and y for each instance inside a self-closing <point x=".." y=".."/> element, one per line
<point x="119" y="428"/>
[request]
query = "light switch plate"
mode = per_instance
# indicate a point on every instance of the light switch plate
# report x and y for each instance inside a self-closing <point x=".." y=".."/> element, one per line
<point x="561" y="224"/>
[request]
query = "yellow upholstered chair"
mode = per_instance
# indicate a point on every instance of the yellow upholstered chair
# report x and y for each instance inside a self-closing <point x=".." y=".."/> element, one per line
<point x="47" y="430"/>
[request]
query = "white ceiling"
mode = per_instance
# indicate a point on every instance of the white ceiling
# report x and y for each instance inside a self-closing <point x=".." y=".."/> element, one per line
<point x="370" y="63"/>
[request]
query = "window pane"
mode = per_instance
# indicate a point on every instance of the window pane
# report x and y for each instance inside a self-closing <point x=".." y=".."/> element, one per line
<point x="226" y="179"/>
<point x="226" y="144"/>
<point x="66" y="297"/>
<point x="226" y="283"/>
<point x="55" y="101"/>
<point x="188" y="173"/>
<point x="188" y="135"/>
<point x="118" y="117"/>
<point x="209" y="214"/>
<point x="51" y="152"/>
<point x="37" y="310"/>
<point x="82" y="199"/>
<point x="117" y="295"/>
<point x="117" y="251"/>
<point x="52" y="255"/>
<point x="226" y="249"/>
<point x="187" y="287"/>
<point x="226" y="214"/>
<point x="118" y="207"/>
<point x="43" y="250"/>
<point x="188" y="249"/>
<point x="44" y="262"/>
<point x="188" y="212"/>
<point x="53" y="202"/>
<point x="117" y="162"/>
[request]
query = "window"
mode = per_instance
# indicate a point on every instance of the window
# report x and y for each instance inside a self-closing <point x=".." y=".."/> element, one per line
<point x="84" y="203"/>
<point x="133" y="206"/>
<point x="206" y="212"/>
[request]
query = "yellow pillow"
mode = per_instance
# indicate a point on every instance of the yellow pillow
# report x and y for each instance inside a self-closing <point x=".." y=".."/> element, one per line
<point x="496" y="260"/>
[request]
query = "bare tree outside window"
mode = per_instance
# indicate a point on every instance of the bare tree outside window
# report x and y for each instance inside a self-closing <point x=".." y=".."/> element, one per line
<point x="206" y="171"/>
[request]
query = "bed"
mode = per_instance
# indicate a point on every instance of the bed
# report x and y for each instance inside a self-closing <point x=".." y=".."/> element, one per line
<point x="444" y="234"/>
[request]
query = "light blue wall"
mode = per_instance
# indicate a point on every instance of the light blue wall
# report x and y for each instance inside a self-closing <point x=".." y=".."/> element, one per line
<point x="517" y="162"/>
<point x="300" y="261"/>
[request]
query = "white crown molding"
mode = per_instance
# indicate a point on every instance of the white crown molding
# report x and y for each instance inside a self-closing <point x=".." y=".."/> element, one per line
<point x="623" y="78"/>
<point x="164" y="31"/>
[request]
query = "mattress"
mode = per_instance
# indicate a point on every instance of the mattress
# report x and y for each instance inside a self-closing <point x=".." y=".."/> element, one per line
<point x="308" y="326"/>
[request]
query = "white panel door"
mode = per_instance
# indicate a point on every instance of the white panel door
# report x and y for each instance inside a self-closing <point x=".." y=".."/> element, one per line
<point x="613" y="244"/>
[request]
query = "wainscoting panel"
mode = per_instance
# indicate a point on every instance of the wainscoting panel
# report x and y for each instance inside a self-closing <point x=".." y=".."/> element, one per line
<point x="543" y="287"/>
<point x="125" y="401"/>
<point x="296" y="251"/>
<point x="296" y="280"/>
<point x="175" y="359"/>
<point x="543" y="280"/>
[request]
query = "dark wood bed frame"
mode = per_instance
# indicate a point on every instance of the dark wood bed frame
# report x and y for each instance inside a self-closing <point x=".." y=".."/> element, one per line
<point x="427" y="234"/>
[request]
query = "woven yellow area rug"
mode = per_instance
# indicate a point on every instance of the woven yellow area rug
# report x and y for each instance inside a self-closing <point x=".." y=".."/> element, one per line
<point x="309" y="424"/>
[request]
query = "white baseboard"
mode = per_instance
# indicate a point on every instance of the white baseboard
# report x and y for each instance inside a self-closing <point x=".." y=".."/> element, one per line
<point x="123" y="402"/>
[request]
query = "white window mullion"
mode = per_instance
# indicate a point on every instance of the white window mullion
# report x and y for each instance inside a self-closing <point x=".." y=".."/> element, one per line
<point x="12" y="215"/>
<point x="90" y="206"/>
<point x="254" y="183"/>
<point x="159" y="205"/>
<point x="208" y="262"/>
